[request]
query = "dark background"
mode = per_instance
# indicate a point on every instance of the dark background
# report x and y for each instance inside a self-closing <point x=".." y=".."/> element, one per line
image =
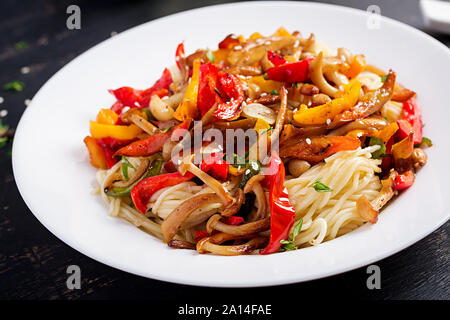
<point x="33" y="262"/>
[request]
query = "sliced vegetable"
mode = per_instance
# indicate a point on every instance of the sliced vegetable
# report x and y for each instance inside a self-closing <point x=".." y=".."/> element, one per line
<point x="260" y="112"/>
<point x="316" y="149"/>
<point x="125" y="165"/>
<point x="96" y="154"/>
<point x="356" y="67"/>
<point x="282" y="212"/>
<point x="135" y="98"/>
<point x="323" y="114"/>
<point x="290" y="72"/>
<point x="143" y="190"/>
<point x="120" y="132"/>
<point x="275" y="59"/>
<point x="252" y="168"/>
<point x="153" y="170"/>
<point x="413" y="114"/>
<point x="152" y="144"/>
<point x="188" y="107"/>
<point x="179" y="54"/>
<point x="215" y="165"/>
<point x="107" y="116"/>
<point x="208" y="92"/>
<point x="404" y="180"/>
<point x="232" y="88"/>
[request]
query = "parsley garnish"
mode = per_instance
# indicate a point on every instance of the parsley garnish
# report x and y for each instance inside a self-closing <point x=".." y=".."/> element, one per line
<point x="319" y="186"/>
<point x="21" y="45"/>
<point x="385" y="77"/>
<point x="14" y="86"/>
<point x="266" y="77"/>
<point x="210" y="56"/>
<point x="125" y="165"/>
<point x="289" y="245"/>
<point x="274" y="93"/>
<point x="380" y="152"/>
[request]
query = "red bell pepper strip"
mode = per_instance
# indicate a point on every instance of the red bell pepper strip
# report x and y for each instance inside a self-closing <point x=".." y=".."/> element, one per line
<point x="229" y="42"/>
<point x="232" y="88"/>
<point x="386" y="162"/>
<point x="152" y="144"/>
<point x="282" y="212"/>
<point x="140" y="98"/>
<point x="232" y="220"/>
<point x="413" y="114"/>
<point x="275" y="59"/>
<point x="110" y="146"/>
<point x="179" y="54"/>
<point x="290" y="72"/>
<point x="199" y="235"/>
<point x="404" y="129"/>
<point x="215" y="165"/>
<point x="143" y="191"/>
<point x="404" y="180"/>
<point x="208" y="83"/>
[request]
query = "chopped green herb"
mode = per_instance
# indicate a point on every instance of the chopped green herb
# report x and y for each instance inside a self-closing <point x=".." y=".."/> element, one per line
<point x="149" y="114"/>
<point x="265" y="76"/>
<point x="385" y="77"/>
<point x="210" y="56"/>
<point x="14" y="86"/>
<point x="166" y="129"/>
<point x="426" y="142"/>
<point x="289" y="245"/>
<point x="380" y="152"/>
<point x="21" y="45"/>
<point x="125" y="165"/>
<point x="266" y="130"/>
<point x="296" y="84"/>
<point x="274" y="93"/>
<point x="319" y="186"/>
<point x="253" y="168"/>
<point x="218" y="92"/>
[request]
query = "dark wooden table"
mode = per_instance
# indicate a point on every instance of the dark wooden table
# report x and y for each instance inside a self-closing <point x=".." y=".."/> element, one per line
<point x="33" y="262"/>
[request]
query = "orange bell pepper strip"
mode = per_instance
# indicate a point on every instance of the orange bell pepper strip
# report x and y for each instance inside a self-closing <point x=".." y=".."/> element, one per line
<point x="96" y="154"/>
<point x="320" y="114"/>
<point x="281" y="32"/>
<point x="188" y="107"/>
<point x="356" y="67"/>
<point x="99" y="130"/>
<point x="107" y="116"/>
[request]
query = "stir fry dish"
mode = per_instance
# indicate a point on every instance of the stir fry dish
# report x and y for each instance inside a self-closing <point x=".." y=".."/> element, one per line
<point x="266" y="144"/>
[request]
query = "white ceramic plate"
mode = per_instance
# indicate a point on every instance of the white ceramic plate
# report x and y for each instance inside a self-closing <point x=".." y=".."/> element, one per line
<point x="53" y="174"/>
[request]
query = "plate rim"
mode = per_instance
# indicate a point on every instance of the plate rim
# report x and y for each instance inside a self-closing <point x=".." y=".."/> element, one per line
<point x="293" y="279"/>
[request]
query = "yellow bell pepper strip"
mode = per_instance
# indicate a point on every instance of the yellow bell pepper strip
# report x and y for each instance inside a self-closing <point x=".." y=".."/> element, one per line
<point x="321" y="114"/>
<point x="107" y="116"/>
<point x="255" y="35"/>
<point x="99" y="130"/>
<point x="281" y="32"/>
<point x="96" y="154"/>
<point x="370" y="103"/>
<point x="263" y="84"/>
<point x="356" y="67"/>
<point x="387" y="132"/>
<point x="188" y="107"/>
<point x="260" y="125"/>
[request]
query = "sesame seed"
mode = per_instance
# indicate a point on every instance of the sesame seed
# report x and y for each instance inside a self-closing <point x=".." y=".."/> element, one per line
<point x="237" y="48"/>
<point x="3" y="113"/>
<point x="25" y="70"/>
<point x="125" y="109"/>
<point x="328" y="121"/>
<point x="27" y="101"/>
<point x="308" y="140"/>
<point x="263" y="94"/>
